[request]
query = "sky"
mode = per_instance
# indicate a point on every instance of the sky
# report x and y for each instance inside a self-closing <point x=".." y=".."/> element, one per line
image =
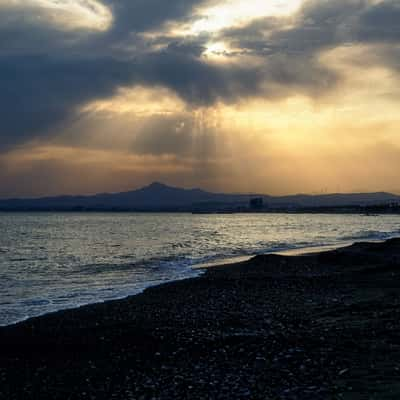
<point x="267" y="96"/>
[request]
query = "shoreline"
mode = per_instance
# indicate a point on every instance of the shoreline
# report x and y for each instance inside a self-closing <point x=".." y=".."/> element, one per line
<point x="297" y="251"/>
<point x="201" y="268"/>
<point x="316" y="326"/>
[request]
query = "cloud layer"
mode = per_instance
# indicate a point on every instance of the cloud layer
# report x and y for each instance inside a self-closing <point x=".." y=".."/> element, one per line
<point x="58" y="57"/>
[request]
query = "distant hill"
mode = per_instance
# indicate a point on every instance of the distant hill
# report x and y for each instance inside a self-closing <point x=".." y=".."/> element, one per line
<point x="156" y="196"/>
<point x="160" y="197"/>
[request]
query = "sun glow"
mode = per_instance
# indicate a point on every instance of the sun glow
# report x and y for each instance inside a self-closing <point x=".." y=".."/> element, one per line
<point x="139" y="101"/>
<point x="216" y="51"/>
<point x="237" y="12"/>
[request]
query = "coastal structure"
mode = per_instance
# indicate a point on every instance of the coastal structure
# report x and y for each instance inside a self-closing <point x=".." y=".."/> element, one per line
<point x="257" y="203"/>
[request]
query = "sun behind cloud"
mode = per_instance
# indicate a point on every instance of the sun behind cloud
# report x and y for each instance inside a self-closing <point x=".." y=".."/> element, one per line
<point x="265" y="96"/>
<point x="230" y="13"/>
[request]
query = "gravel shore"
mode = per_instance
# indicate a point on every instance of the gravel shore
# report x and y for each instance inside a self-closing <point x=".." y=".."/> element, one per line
<point x="317" y="326"/>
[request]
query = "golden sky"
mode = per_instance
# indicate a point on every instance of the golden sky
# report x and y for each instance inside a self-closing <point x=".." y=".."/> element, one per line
<point x="278" y="97"/>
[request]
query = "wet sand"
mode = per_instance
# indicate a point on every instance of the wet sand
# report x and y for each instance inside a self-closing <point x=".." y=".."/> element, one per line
<point x="315" y="326"/>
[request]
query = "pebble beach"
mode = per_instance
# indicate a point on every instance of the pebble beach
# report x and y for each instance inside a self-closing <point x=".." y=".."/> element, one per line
<point x="313" y="326"/>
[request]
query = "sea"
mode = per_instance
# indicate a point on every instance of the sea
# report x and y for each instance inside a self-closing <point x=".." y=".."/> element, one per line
<point x="54" y="261"/>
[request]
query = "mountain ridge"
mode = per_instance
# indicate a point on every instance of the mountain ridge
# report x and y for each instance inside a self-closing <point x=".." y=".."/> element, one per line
<point x="159" y="196"/>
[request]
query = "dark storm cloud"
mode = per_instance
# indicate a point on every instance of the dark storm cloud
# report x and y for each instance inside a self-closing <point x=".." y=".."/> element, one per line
<point x="319" y="25"/>
<point x="144" y="15"/>
<point x="291" y="46"/>
<point x="38" y="91"/>
<point x="381" y="22"/>
<point x="46" y="74"/>
<point x="195" y="80"/>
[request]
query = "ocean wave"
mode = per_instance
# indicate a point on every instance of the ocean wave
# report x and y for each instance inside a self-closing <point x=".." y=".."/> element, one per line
<point x="371" y="235"/>
<point x="82" y="264"/>
<point x="151" y="265"/>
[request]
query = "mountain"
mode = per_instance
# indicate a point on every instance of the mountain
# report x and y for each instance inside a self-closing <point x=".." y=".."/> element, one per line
<point x="156" y="197"/>
<point x="160" y="197"/>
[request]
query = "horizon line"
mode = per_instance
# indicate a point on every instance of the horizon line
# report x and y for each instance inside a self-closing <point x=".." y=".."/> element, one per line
<point x="154" y="183"/>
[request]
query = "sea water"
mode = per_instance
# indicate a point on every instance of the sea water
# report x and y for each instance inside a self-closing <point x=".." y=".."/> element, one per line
<point x="53" y="261"/>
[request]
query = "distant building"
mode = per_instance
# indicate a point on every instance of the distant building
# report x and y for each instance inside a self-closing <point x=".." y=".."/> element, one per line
<point x="257" y="203"/>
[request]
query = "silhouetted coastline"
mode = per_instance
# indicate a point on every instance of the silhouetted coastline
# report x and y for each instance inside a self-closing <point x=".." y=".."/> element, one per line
<point x="158" y="197"/>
